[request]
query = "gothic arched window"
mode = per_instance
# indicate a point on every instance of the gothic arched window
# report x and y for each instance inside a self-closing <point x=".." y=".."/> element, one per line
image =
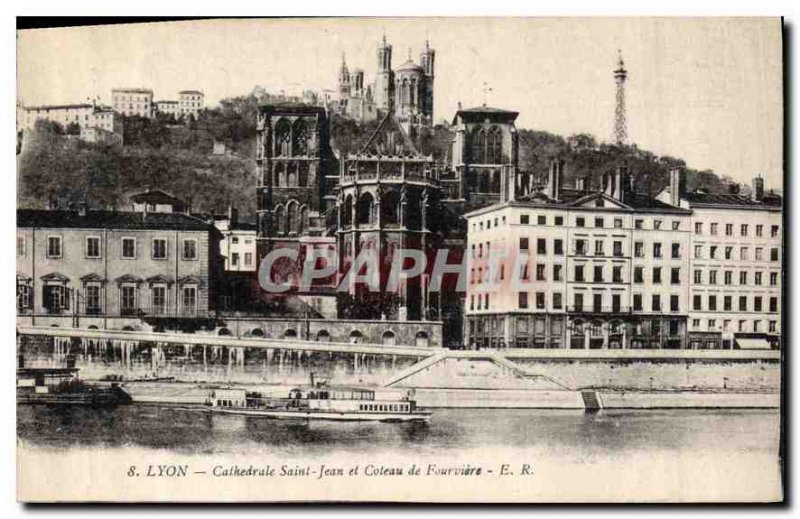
<point x="364" y="210"/>
<point x="494" y="146"/>
<point x="390" y="208"/>
<point x="280" y="221"/>
<point x="299" y="139"/>
<point x="487" y="146"/>
<point x="291" y="217"/>
<point x="280" y="174"/>
<point x="283" y="138"/>
<point x="302" y="174"/>
<point x="347" y="211"/>
<point x="479" y="147"/>
<point x="303" y="227"/>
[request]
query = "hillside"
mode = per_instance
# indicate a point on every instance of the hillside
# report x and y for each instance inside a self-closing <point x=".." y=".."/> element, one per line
<point x="177" y="157"/>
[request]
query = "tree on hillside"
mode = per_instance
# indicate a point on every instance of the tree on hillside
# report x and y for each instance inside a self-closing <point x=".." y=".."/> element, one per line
<point x="144" y="131"/>
<point x="45" y="126"/>
<point x="73" y="128"/>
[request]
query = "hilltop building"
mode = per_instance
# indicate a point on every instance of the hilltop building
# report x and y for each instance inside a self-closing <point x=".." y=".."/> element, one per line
<point x="97" y="123"/>
<point x="190" y="103"/>
<point x="133" y="101"/>
<point x="406" y="91"/>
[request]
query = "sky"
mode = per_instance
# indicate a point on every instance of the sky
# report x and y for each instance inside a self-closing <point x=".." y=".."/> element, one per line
<point x="708" y="90"/>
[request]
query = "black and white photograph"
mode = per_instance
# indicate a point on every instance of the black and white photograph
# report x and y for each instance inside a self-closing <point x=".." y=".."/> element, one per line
<point x="401" y="260"/>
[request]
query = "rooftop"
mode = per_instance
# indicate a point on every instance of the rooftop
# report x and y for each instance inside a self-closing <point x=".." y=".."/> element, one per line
<point x="59" y="107"/>
<point x="409" y="65"/>
<point x="574" y="199"/>
<point x="485" y="111"/>
<point x="133" y="90"/>
<point x="68" y="219"/>
<point x="155" y="196"/>
<point x="713" y="199"/>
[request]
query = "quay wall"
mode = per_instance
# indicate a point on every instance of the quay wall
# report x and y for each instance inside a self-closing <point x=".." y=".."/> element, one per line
<point x="265" y="361"/>
<point x="647" y="374"/>
<point x="406" y="333"/>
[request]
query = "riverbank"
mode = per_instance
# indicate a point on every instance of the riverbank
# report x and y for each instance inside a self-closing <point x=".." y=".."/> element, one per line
<point x="196" y="394"/>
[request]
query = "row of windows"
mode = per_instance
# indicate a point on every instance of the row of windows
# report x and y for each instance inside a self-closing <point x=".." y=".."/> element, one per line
<point x="580" y="221"/>
<point x="727" y="303"/>
<point x="744" y="278"/>
<point x="581" y="248"/>
<point x="617" y="223"/>
<point x="481" y="275"/>
<point x="497" y="222"/>
<point x="132" y="98"/>
<point x="744" y="229"/>
<point x="744" y="253"/>
<point x="482" y="302"/>
<point x="392" y="408"/>
<point x="56" y="298"/>
<point x="741" y="325"/>
<point x="93" y="250"/>
<point x="248" y="259"/>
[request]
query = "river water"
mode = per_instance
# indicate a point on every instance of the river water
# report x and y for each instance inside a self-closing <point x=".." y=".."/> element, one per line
<point x="610" y="455"/>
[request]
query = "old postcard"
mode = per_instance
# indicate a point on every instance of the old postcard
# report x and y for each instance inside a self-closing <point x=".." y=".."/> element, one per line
<point x="493" y="260"/>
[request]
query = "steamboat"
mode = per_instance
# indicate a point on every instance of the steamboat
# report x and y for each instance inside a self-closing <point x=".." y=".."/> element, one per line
<point x="321" y="402"/>
<point x="61" y="386"/>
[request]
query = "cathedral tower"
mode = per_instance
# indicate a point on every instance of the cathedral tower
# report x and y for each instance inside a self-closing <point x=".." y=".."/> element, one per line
<point x="384" y="78"/>
<point x="426" y="61"/>
<point x="344" y="80"/>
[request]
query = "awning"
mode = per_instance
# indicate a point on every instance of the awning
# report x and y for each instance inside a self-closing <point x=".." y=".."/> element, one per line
<point x="753" y="344"/>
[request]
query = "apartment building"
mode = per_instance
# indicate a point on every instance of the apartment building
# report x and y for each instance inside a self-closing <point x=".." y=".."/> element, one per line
<point x="736" y="259"/>
<point x="617" y="269"/>
<point x="105" y="126"/>
<point x="168" y="107"/>
<point x="190" y="102"/>
<point x="80" y="114"/>
<point x="238" y="243"/>
<point x="133" y="101"/>
<point x="116" y="270"/>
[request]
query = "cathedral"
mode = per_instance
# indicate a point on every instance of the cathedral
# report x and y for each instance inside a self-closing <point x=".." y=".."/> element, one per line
<point x="386" y="196"/>
<point x="406" y="92"/>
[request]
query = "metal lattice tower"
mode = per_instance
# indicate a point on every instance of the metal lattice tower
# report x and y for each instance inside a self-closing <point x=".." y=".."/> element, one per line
<point x="620" y="124"/>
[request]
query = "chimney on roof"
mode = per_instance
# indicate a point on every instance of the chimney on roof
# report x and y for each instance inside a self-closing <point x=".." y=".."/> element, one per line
<point x="619" y="182"/>
<point x="555" y="178"/>
<point x="82" y="208"/>
<point x="677" y="185"/>
<point x="233" y="215"/>
<point x="580" y="184"/>
<point x="608" y="184"/>
<point x="758" y="188"/>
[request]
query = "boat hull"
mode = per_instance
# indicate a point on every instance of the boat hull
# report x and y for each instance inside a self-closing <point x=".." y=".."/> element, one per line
<point x="97" y="397"/>
<point x="279" y="414"/>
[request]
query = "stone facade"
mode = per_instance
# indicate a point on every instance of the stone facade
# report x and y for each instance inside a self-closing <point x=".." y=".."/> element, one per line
<point x="616" y="269"/>
<point x="112" y="269"/>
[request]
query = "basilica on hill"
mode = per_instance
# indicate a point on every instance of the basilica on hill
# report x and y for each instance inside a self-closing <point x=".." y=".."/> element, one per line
<point x="405" y="91"/>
